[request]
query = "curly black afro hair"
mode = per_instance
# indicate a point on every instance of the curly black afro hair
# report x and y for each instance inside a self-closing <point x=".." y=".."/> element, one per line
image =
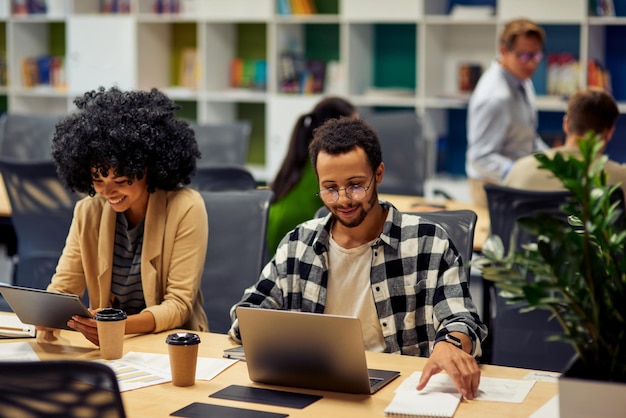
<point x="342" y="135"/>
<point x="135" y="133"/>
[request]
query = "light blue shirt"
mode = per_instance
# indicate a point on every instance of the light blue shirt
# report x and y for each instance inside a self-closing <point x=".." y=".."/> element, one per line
<point x="501" y="124"/>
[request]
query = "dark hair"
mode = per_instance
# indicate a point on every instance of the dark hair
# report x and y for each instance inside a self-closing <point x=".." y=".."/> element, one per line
<point x="298" y="153"/>
<point x="135" y="133"/>
<point x="521" y="27"/>
<point x="591" y="110"/>
<point x="339" y="136"/>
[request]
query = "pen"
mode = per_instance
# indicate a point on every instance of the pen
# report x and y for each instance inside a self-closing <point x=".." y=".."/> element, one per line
<point x="25" y="329"/>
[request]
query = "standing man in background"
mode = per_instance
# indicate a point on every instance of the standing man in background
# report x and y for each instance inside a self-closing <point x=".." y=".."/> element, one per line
<point x="502" y="117"/>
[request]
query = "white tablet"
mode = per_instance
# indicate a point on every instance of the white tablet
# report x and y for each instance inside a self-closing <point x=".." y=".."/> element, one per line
<point x="43" y="308"/>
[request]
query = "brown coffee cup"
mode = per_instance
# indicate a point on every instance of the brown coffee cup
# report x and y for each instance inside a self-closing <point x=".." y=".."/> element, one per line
<point x="111" y="329"/>
<point x="183" y="352"/>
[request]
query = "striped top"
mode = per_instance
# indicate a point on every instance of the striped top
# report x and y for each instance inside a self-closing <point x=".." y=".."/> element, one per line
<point x="126" y="279"/>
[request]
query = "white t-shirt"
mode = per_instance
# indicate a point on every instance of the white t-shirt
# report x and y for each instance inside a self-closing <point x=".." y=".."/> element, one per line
<point x="349" y="290"/>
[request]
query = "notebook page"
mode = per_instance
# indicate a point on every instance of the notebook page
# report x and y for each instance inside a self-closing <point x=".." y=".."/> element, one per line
<point x="417" y="404"/>
<point x="438" y="399"/>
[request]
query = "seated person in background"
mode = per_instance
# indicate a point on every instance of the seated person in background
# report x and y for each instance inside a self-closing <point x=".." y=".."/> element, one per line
<point x="398" y="273"/>
<point x="587" y="110"/>
<point x="501" y="114"/>
<point x="138" y="241"/>
<point x="295" y="184"/>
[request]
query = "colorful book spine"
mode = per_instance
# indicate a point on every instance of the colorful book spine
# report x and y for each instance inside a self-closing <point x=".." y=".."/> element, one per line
<point x="284" y="7"/>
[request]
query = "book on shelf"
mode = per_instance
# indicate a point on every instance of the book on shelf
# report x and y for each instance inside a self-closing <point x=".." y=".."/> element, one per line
<point x="166" y="6"/>
<point x="302" y="7"/>
<point x="598" y="75"/>
<point x="115" y="6"/>
<point x="314" y="77"/>
<point x="188" y="68"/>
<point x="469" y="74"/>
<point x="248" y="74"/>
<point x="283" y="7"/>
<point x="44" y="70"/>
<point x="562" y="74"/>
<point x="302" y="76"/>
<point x="27" y="7"/>
<point x="603" y="7"/>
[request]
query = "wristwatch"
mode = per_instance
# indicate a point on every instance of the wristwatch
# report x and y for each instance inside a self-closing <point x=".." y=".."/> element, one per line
<point x="452" y="340"/>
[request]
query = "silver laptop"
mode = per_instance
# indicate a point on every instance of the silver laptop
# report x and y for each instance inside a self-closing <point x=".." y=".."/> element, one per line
<point x="308" y="350"/>
<point x="43" y="308"/>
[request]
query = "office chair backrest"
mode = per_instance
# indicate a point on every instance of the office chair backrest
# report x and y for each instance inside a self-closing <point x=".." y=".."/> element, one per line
<point x="404" y="151"/>
<point x="519" y="339"/>
<point x="506" y="205"/>
<point x="42" y="210"/>
<point x="59" y="388"/>
<point x="459" y="224"/>
<point x="225" y="143"/>
<point x="223" y="177"/>
<point x="26" y="137"/>
<point x="236" y="251"/>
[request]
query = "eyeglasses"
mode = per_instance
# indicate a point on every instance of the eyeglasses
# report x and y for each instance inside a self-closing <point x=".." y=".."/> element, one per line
<point x="529" y="56"/>
<point x="353" y="192"/>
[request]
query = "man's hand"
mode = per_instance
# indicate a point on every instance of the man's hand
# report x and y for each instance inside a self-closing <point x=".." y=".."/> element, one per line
<point x="460" y="366"/>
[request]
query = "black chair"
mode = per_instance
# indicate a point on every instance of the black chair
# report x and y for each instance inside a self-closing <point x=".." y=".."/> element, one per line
<point x="405" y="152"/>
<point x="23" y="137"/>
<point x="236" y="251"/>
<point x="59" y="388"/>
<point x="42" y="210"/>
<point x="223" y="143"/>
<point x="459" y="224"/>
<point x="223" y="177"/>
<point x="519" y="339"/>
<point x="26" y="137"/>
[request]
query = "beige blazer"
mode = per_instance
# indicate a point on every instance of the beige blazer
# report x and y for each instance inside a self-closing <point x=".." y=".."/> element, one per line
<point x="172" y="259"/>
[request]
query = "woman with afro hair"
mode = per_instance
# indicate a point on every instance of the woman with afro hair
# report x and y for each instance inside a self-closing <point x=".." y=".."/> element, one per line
<point x="138" y="241"/>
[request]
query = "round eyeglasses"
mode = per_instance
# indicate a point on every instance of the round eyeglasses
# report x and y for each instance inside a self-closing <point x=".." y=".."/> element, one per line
<point x="529" y="56"/>
<point x="353" y="192"/>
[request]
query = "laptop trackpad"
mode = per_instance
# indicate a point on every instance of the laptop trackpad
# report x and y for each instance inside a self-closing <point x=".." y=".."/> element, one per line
<point x="380" y="378"/>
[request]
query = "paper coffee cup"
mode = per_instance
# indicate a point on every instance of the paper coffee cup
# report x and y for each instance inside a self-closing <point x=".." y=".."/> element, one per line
<point x="111" y="329"/>
<point x="183" y="352"/>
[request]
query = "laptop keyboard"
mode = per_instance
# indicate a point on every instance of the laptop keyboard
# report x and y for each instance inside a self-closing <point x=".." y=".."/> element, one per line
<point x="374" y="381"/>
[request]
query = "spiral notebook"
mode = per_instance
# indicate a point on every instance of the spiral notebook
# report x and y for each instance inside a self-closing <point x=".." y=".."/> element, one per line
<point x="408" y="404"/>
<point x="439" y="398"/>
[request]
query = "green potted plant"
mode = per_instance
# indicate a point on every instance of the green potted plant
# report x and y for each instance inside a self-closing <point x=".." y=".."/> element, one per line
<point x="576" y="269"/>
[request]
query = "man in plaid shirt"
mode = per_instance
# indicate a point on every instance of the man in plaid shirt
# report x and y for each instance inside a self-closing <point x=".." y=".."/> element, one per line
<point x="398" y="273"/>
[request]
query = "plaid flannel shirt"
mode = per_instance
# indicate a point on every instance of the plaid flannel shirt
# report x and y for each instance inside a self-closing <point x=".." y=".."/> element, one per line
<point x="417" y="280"/>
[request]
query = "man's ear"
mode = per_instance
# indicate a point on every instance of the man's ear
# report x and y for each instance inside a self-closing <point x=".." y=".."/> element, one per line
<point x="608" y="134"/>
<point x="565" y="129"/>
<point x="502" y="48"/>
<point x="380" y="173"/>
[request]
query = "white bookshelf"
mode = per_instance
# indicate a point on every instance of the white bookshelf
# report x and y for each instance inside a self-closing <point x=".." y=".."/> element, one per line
<point x="134" y="50"/>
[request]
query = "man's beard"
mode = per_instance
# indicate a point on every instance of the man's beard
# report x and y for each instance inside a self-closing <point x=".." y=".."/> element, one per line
<point x="362" y="212"/>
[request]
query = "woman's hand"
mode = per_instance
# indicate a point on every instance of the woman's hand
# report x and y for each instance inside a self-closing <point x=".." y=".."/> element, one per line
<point x="86" y="326"/>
